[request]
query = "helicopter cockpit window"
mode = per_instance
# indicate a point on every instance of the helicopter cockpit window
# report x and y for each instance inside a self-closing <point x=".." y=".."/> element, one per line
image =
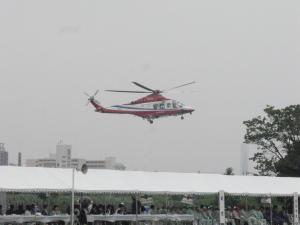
<point x="155" y="106"/>
<point x="162" y="106"/>
<point x="180" y="105"/>
<point x="174" y="104"/>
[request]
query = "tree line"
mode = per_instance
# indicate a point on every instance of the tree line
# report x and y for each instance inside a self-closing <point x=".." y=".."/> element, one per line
<point x="277" y="137"/>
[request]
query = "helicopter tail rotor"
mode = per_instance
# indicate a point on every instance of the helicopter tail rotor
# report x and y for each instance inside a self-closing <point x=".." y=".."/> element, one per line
<point x="91" y="97"/>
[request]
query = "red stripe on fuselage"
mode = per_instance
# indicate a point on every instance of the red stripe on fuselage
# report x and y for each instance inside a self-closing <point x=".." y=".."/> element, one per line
<point x="148" y="114"/>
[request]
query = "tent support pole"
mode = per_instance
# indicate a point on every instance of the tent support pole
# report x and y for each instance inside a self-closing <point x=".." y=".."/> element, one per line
<point x="271" y="210"/>
<point x="296" y="213"/>
<point x="222" y="207"/>
<point x="136" y="208"/>
<point x="72" y="201"/>
<point x="166" y="205"/>
<point x="105" y="207"/>
<point x="3" y="202"/>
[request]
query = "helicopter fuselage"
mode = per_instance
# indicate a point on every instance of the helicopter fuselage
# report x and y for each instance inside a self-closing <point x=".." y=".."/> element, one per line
<point x="150" y="107"/>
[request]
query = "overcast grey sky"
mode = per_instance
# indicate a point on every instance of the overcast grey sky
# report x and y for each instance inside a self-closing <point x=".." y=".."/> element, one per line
<point x="243" y="55"/>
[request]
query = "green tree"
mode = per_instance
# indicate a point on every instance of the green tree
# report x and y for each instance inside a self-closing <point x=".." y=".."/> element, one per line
<point x="277" y="135"/>
<point x="229" y="171"/>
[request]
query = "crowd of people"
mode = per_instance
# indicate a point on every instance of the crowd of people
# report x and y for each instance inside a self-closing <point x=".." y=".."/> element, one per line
<point x="259" y="214"/>
<point x="32" y="209"/>
<point x="240" y="216"/>
<point x="204" y="215"/>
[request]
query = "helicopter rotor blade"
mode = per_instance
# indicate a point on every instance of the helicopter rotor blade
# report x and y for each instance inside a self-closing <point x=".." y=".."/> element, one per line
<point x="142" y="86"/>
<point x="96" y="92"/>
<point x="88" y="101"/>
<point x="129" y="91"/>
<point x="186" y="84"/>
<point x="149" y="90"/>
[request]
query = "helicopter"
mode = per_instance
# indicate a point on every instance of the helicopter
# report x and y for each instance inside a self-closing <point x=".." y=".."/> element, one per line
<point x="150" y="107"/>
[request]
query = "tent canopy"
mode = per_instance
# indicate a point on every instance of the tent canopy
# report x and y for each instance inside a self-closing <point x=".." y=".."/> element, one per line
<point x="36" y="179"/>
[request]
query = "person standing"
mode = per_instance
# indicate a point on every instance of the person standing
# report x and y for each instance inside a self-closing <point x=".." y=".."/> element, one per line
<point x="236" y="215"/>
<point x="10" y="210"/>
<point x="45" y="210"/>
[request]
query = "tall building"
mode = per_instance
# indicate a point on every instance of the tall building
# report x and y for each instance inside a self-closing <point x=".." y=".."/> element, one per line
<point x="19" y="159"/>
<point x="244" y="163"/>
<point x="63" y="155"/>
<point x="3" y="155"/>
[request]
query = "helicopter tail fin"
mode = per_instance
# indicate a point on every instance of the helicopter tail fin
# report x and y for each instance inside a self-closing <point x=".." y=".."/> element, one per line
<point x="97" y="105"/>
<point x="94" y="102"/>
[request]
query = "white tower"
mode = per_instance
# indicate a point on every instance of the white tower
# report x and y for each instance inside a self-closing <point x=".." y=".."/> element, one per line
<point x="244" y="159"/>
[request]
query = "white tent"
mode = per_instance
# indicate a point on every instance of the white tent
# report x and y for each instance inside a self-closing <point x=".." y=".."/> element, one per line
<point x="35" y="179"/>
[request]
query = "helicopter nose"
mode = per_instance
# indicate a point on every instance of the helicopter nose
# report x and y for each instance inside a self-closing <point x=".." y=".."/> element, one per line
<point x="189" y="109"/>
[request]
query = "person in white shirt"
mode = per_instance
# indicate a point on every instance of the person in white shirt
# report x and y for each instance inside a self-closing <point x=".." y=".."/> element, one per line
<point x="27" y="210"/>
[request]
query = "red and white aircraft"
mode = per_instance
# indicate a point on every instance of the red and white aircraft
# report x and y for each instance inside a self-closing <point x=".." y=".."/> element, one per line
<point x="150" y="107"/>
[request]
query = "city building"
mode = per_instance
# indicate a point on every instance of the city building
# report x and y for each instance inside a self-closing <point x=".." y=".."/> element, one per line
<point x="63" y="155"/>
<point x="31" y="162"/>
<point x="42" y="162"/>
<point x="119" y="166"/>
<point x="96" y="164"/>
<point x="63" y="159"/>
<point x="3" y="155"/>
<point x="46" y="162"/>
<point x="75" y="163"/>
<point x="110" y="162"/>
